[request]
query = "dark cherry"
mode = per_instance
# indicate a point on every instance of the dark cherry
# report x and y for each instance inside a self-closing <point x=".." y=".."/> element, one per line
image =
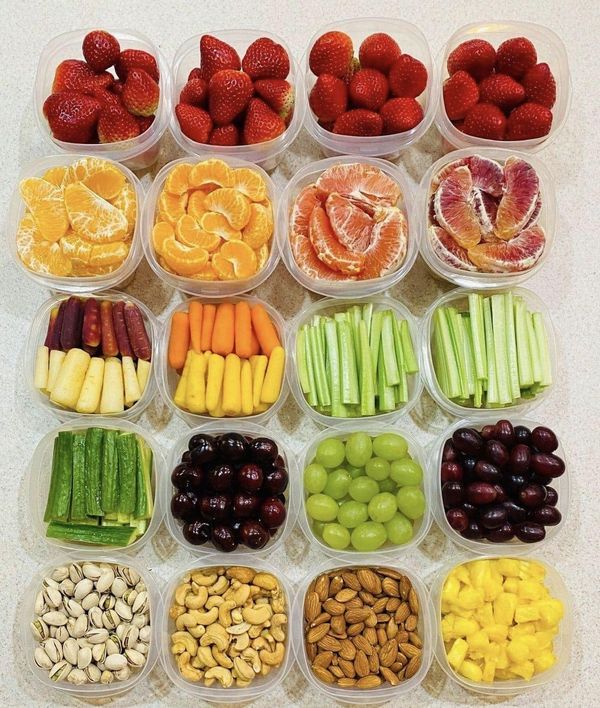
<point x="474" y="531"/>
<point x="514" y="482"/>
<point x="551" y="496"/>
<point x="515" y="513"/>
<point x="272" y="513"/>
<point x="272" y="532"/>
<point x="275" y="481"/>
<point x="203" y="452"/>
<point x="452" y="494"/>
<point x="470" y="509"/>
<point x="496" y="453"/>
<point x="479" y="493"/>
<point x="530" y="532"/>
<point x="183" y="506"/>
<point x="196" y="479"/>
<point x="232" y="447"/>
<point x="546" y="515"/>
<point x="468" y="465"/>
<point x="487" y="472"/>
<point x="505" y="433"/>
<point x="263" y="450"/>
<point x="488" y="432"/>
<point x="501" y="534"/>
<point x="281" y="498"/>
<point x="547" y="465"/>
<point x="468" y="441"/>
<point x="179" y="477"/>
<point x="250" y="477"/>
<point x="501" y="494"/>
<point x="493" y="518"/>
<point x="451" y="472"/>
<point x="544" y="439"/>
<point x="187" y="456"/>
<point x="522" y="435"/>
<point x="199" y="439"/>
<point x="254" y="535"/>
<point x="236" y="526"/>
<point x="458" y="519"/>
<point x="245" y="505"/>
<point x="223" y="537"/>
<point x="216" y="507"/>
<point x="196" y="532"/>
<point x="449" y="453"/>
<point x="220" y="477"/>
<point x="520" y="459"/>
<point x="532" y="496"/>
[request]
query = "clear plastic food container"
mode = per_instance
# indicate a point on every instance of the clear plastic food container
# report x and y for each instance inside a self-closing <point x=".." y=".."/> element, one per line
<point x="562" y="485"/>
<point x="327" y="306"/>
<point x="386" y="692"/>
<point x="88" y="691"/>
<point x="261" y="685"/>
<point x="561" y="646"/>
<point x="193" y="286"/>
<point x="38" y="479"/>
<point x="412" y="41"/>
<point x="36" y="337"/>
<point x="550" y="49"/>
<point x="267" y="154"/>
<point x="458" y="298"/>
<point x="71" y="284"/>
<point x="388" y="551"/>
<point x="346" y="288"/>
<point x="137" y="153"/>
<point x="208" y="550"/>
<point x="546" y="219"/>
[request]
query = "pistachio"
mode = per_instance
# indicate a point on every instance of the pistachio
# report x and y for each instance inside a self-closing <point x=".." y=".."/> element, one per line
<point x="107" y="602"/>
<point x="77" y="677"/>
<point x="123" y="674"/>
<point x="97" y="636"/>
<point x="83" y="589"/>
<point x="110" y="619"/>
<point x="140" y="620"/>
<point x="129" y="596"/>
<point x="105" y="580"/>
<point x="61" y="634"/>
<point x="145" y="634"/>
<point x="49" y="583"/>
<point x="80" y="627"/>
<point x="90" y="601"/>
<point x="113" y="645"/>
<point x="141" y="586"/>
<point x="75" y="572"/>
<point x="59" y="574"/>
<point x="130" y="636"/>
<point x="135" y="658"/>
<point x="56" y="619"/>
<point x="93" y="673"/>
<point x="67" y="587"/>
<point x="53" y="649"/>
<point x="115" y="662"/>
<point x="118" y="587"/>
<point x="71" y="650"/>
<point x="40" y="606"/>
<point x="60" y="671"/>
<point x="140" y="604"/>
<point x="95" y="617"/>
<point x="107" y="677"/>
<point x="142" y="647"/>
<point x="91" y="571"/>
<point x="123" y="610"/>
<point x="42" y="659"/>
<point x="99" y="652"/>
<point x="73" y="608"/>
<point x="84" y="657"/>
<point x="53" y="596"/>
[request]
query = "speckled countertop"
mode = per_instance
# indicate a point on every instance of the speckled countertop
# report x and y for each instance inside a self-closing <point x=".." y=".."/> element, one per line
<point x="568" y="283"/>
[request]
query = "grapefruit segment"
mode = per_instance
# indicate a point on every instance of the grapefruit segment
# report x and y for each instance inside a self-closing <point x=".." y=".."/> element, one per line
<point x="521" y="191"/>
<point x="388" y="244"/>
<point x="328" y="249"/>
<point x="350" y="224"/>
<point x="448" y="251"/>
<point x="518" y="254"/>
<point x="363" y="182"/>
<point x="306" y="259"/>
<point x="306" y="201"/>
<point x="455" y="210"/>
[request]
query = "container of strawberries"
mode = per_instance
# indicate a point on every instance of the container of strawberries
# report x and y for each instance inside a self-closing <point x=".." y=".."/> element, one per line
<point x="237" y="93"/>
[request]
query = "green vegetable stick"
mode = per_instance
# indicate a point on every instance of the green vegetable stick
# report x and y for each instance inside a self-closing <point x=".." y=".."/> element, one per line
<point x="59" y="494"/>
<point x="390" y="363"/>
<point x="542" y="342"/>
<point x="465" y="335"/>
<point x="144" y="505"/>
<point x="511" y="347"/>
<point x="447" y="351"/>
<point x="387" y="400"/>
<point x="478" y="393"/>
<point x="478" y="335"/>
<point x="301" y="361"/>
<point x="439" y="362"/>
<point x="349" y="375"/>
<point x="78" y="493"/>
<point x="318" y="361"/>
<point x="536" y="361"/>
<point x="337" y="407"/>
<point x="97" y="535"/>
<point x="127" y="452"/>
<point x="367" y="389"/>
<point x="453" y="319"/>
<point x="499" y="329"/>
<point x="403" y="385"/>
<point x="110" y="472"/>
<point x="374" y="342"/>
<point x="367" y="315"/>
<point x="355" y="317"/>
<point x="492" y="383"/>
<point x="522" y="341"/>
<point x="311" y="396"/>
<point x="410" y="358"/>
<point x="94" y="438"/>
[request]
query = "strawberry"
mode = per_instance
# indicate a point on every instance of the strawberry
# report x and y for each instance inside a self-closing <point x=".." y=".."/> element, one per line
<point x="72" y="116"/>
<point x="359" y="122"/>
<point x="194" y="92"/>
<point x="278" y="94"/>
<point x="76" y="75"/>
<point x="194" y="122"/>
<point x="527" y="121"/>
<point x="368" y="89"/>
<point x="261" y="123"/>
<point x="460" y="94"/>
<point x="331" y="54"/>
<point x="144" y="122"/>
<point x="475" y="56"/>
<point x="225" y="135"/>
<point x="228" y="94"/>
<point x="407" y="77"/>
<point x="116" y="124"/>
<point x="501" y="90"/>
<point x="485" y="121"/>
<point x="140" y="93"/>
<point x="136" y="59"/>
<point x="379" y="51"/>
<point x="100" y="49"/>
<point x="540" y="86"/>
<point x="515" y="57"/>
<point x="328" y="97"/>
<point x="216" y="55"/>
<point x="351" y="70"/>
<point x="401" y="114"/>
<point x="265" y="59"/>
<point x="106" y="98"/>
<point x="195" y="73"/>
<point x="117" y="88"/>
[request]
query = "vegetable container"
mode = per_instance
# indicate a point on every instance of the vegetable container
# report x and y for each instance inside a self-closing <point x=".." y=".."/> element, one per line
<point x="412" y="41"/>
<point x="137" y="153"/>
<point x="546" y="219"/>
<point x="267" y="154"/>
<point x="550" y="49"/>
<point x="346" y="288"/>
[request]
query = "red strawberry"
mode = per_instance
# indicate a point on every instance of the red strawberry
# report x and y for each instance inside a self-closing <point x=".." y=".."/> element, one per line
<point x="100" y="49"/>
<point x="225" y="135"/>
<point x="106" y="98"/>
<point x="265" y="59"/>
<point x="401" y="114"/>
<point x="359" y="122"/>
<point x="379" y="51"/>
<point x="485" y="121"/>
<point x="195" y="73"/>
<point x="216" y="55"/>
<point x="72" y="116"/>
<point x="140" y="93"/>
<point x="116" y="124"/>
<point x="261" y="123"/>
<point x="475" y="56"/>
<point x="502" y="90"/>
<point x="144" y="122"/>
<point x="194" y="92"/>
<point x="194" y="122"/>
<point x="331" y="54"/>
<point x="278" y="94"/>
<point x="76" y="75"/>
<point x="407" y="77"/>
<point x="368" y="89"/>
<point x="460" y="94"/>
<point x="540" y="86"/>
<point x="328" y="97"/>
<point x="350" y="71"/>
<point x="136" y="59"/>
<point x="515" y="57"/>
<point x="527" y="121"/>
<point x="117" y="87"/>
<point x="228" y="94"/>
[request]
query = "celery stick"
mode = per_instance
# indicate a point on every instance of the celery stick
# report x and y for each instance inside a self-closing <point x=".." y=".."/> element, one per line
<point x="536" y="362"/>
<point x="447" y="352"/>
<point x="478" y="335"/>
<point x="402" y="391"/>
<point x="478" y="393"/>
<point x="542" y="342"/>
<point x="311" y="396"/>
<point x="439" y="363"/>
<point x="511" y="347"/>
<point x="387" y="400"/>
<point x="465" y="335"/>
<point x="452" y="317"/>
<point x="492" y="383"/>
<point x="301" y="361"/>
<point x="355" y="317"/>
<point x="390" y="363"/>
<point x="410" y="359"/>
<point x="375" y="341"/>
<point x="349" y="376"/>
<point x="337" y="407"/>
<point x="522" y="339"/>
<point x="318" y="359"/>
<point x="499" y="329"/>
<point x="367" y="389"/>
<point x="367" y="315"/>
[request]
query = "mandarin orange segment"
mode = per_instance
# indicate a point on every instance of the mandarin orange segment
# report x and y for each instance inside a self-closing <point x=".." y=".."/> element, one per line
<point x="223" y="268"/>
<point x="195" y="205"/>
<point x="165" y="266"/>
<point x="84" y="270"/>
<point x="207" y="273"/>
<point x="83" y="168"/>
<point x="262" y="256"/>
<point x="188" y="231"/>
<point x="161" y="233"/>
<point x="76" y="248"/>
<point x="107" y="183"/>
<point x="126" y="202"/>
<point x="242" y="257"/>
<point x="218" y="225"/>
<point x="178" y="179"/>
<point x="93" y="217"/>
<point x="45" y="202"/>
<point x="212" y="171"/>
<point x="234" y="206"/>
<point x="46" y="257"/>
<point x="306" y="259"/>
<point x="259" y="228"/>
<point x="28" y="230"/>
<point x="55" y="175"/>
<point x="182" y="259"/>
<point x="171" y="207"/>
<point x="108" y="254"/>
<point x="250" y="183"/>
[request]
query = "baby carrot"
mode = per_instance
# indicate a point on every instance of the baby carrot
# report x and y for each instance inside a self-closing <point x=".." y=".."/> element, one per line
<point x="214" y="380"/>
<point x="181" y="390"/>
<point x="232" y="393"/>
<point x="246" y="388"/>
<point x="254" y="345"/>
<point x="179" y="339"/>
<point x="265" y="330"/>
<point x="259" y="367"/>
<point x="224" y="330"/>
<point x="195" y="311"/>
<point x="243" y="330"/>
<point x="274" y="376"/>
<point x="208" y="321"/>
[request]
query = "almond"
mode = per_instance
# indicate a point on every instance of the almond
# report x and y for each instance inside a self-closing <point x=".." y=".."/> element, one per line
<point x="311" y="652"/>
<point x="390" y="587"/>
<point x="400" y="663"/>
<point x="359" y="614"/>
<point x="370" y="681"/>
<point x="370" y="635"/>
<point x="323" y="674"/>
<point x="382" y="617"/>
<point x="320" y="619"/>
<point x="392" y="604"/>
<point x="334" y="607"/>
<point x="351" y="581"/>
<point x="347" y="667"/>
<point x="413" y="601"/>
<point x="380" y="605"/>
<point x="361" y="663"/>
<point x="315" y="634"/>
<point x="345" y="595"/>
<point x="346" y="682"/>
<point x="401" y="674"/>
<point x="405" y="587"/>
<point x="392" y="629"/>
<point x="409" y="650"/>
<point x="347" y="650"/>
<point x="414" y="638"/>
<point x="312" y="606"/>
<point x="371" y="620"/>
<point x="329" y="643"/>
<point x="388" y="653"/>
<point x="411" y="623"/>
<point x="323" y="659"/>
<point x="335" y="585"/>
<point x="382" y="637"/>
<point x="354" y="603"/>
<point x="374" y="663"/>
<point x="367" y="597"/>
<point x="402" y="636"/>
<point x="369" y="580"/>
<point x="412" y="667"/>
<point x="337" y="671"/>
<point x="390" y="573"/>
<point x="355" y="629"/>
<point x="389" y="676"/>
<point x="362" y="644"/>
<point x="402" y="612"/>
<point x="322" y="587"/>
<point x="338" y="625"/>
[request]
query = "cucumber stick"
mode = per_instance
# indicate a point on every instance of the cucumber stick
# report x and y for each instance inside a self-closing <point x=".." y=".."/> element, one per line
<point x="78" y="493"/>
<point x="143" y="504"/>
<point x="127" y="454"/>
<point x="94" y="438"/>
<point x="110" y="472"/>
<point x="97" y="535"/>
<point x="59" y="496"/>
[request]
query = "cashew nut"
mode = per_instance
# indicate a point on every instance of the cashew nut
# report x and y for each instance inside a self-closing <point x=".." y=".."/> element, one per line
<point x="257" y="615"/>
<point x="186" y="670"/>
<point x="217" y="635"/>
<point x="219" y="587"/>
<point x="181" y="593"/>
<point x="241" y="594"/>
<point x="238" y="628"/>
<point x="240" y="683"/>
<point x="196" y="601"/>
<point x="238" y="572"/>
<point x="277" y="631"/>
<point x="183" y="641"/>
<point x="242" y="641"/>
<point x="266" y="581"/>
<point x="254" y="631"/>
<point x="261" y="643"/>
<point x="278" y="604"/>
<point x="197" y="632"/>
<point x="187" y="619"/>
<point x="214" y="601"/>
<point x="264" y="669"/>
<point x="236" y="616"/>
<point x="223" y="676"/>
<point x="205" y="657"/>
<point x="242" y="670"/>
<point x="221" y="658"/>
<point x="252" y="656"/>
<point x="225" y="613"/>
<point x="273" y="658"/>
<point x="201" y="579"/>
<point x="176" y="611"/>
<point x="207" y="618"/>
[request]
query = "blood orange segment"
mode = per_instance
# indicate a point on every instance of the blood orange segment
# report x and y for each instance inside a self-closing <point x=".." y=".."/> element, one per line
<point x="45" y="202"/>
<point x="448" y="251"/>
<point x="486" y="208"/>
<point x="361" y="181"/>
<point x="306" y="259"/>
<point x="350" y="224"/>
<point x="305" y="202"/>
<point x="389" y="241"/>
<point x="487" y="174"/>
<point x="328" y="249"/>
<point x="92" y="217"/>
<point x="178" y="179"/>
<point x="535" y="215"/>
<point x="518" y="254"/>
<point x="522" y="187"/>
<point x="188" y="232"/>
<point x="233" y="205"/>
<point x="454" y="208"/>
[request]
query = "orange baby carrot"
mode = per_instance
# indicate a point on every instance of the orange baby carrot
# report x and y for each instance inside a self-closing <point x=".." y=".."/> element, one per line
<point x="208" y="321"/>
<point x="179" y="339"/>
<point x="254" y="345"/>
<point x="223" y="336"/>
<point x="243" y="330"/>
<point x="265" y="330"/>
<point x="196" y="325"/>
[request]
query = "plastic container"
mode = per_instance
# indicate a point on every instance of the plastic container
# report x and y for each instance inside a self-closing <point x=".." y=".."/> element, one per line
<point x="550" y="49"/>
<point x="137" y="153"/>
<point x="208" y="550"/>
<point x="328" y="306"/>
<point x="515" y="547"/>
<point x="346" y="288"/>
<point x="363" y="696"/>
<point x="261" y="685"/>
<point x="193" y="286"/>
<point x="38" y="480"/>
<point x="412" y="41"/>
<point x="89" y="691"/>
<point x="509" y="687"/>
<point x="458" y="298"/>
<point x="546" y="219"/>
<point x="168" y="378"/>
<point x="267" y="154"/>
<point x="387" y="552"/>
<point x="37" y="335"/>
<point x="71" y="284"/>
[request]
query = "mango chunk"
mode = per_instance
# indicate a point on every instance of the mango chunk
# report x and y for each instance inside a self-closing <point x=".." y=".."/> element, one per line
<point x="457" y="653"/>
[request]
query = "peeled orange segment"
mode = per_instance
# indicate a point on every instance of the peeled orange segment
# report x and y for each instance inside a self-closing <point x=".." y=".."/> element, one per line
<point x="165" y="266"/>
<point x="46" y="257"/>
<point x="106" y="183"/>
<point x="182" y="259"/>
<point x="188" y="231"/>
<point x="262" y="256"/>
<point x="328" y="249"/>
<point x="45" y="202"/>
<point x="361" y="181"/>
<point x="234" y="206"/>
<point x="308" y="198"/>
<point x="76" y="248"/>
<point x="448" y="251"/>
<point x="350" y="224"/>
<point x="207" y="273"/>
<point x="242" y="258"/>
<point x="108" y="254"/>
<point x="171" y="207"/>
<point x="486" y="208"/>
<point x="250" y="183"/>
<point x="195" y="204"/>
<point x="519" y="254"/>
<point x="259" y="228"/>
<point x="218" y="225"/>
<point x="306" y="259"/>
<point x="522" y="187"/>
<point x="223" y="268"/>
<point x="93" y="217"/>
<point x="487" y="175"/>
<point x="126" y="202"/>
<point x="209" y="172"/>
<point x="83" y="270"/>
<point x="178" y="179"/>
<point x="161" y="234"/>
<point x="28" y="230"/>
<point x="454" y="208"/>
<point x="83" y="168"/>
<point x="389" y="240"/>
<point x="55" y="175"/>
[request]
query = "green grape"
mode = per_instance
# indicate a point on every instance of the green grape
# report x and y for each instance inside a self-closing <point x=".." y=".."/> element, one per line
<point x="399" y="529"/>
<point x="352" y="513"/>
<point x="338" y="483"/>
<point x="355" y="471"/>
<point x="321" y="507"/>
<point x="390" y="446"/>
<point x="359" y="449"/>
<point x="317" y="527"/>
<point x="315" y="478"/>
<point x="411" y="502"/>
<point x="368" y="536"/>
<point x="363" y="488"/>
<point x="377" y="468"/>
<point x="388" y="485"/>
<point x="406" y="472"/>
<point x="336" y="536"/>
<point x="382" y="507"/>
<point x="330" y="453"/>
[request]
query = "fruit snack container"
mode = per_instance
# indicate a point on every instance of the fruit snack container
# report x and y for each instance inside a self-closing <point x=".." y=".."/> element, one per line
<point x="532" y="64"/>
<point x="277" y="108"/>
<point x="141" y="149"/>
<point x="396" y="96"/>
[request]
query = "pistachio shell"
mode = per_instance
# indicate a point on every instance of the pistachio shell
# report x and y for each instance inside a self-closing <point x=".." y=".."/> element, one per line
<point x="93" y="673"/>
<point x="107" y="677"/>
<point x="83" y="589"/>
<point x="123" y="610"/>
<point x="80" y="627"/>
<point x="71" y="650"/>
<point x="118" y="587"/>
<point x="75" y="572"/>
<point x="56" y="619"/>
<point x="53" y="649"/>
<point x="91" y="571"/>
<point x="42" y="659"/>
<point x="84" y="657"/>
<point x="77" y="677"/>
<point x="95" y="617"/>
<point x="74" y="608"/>
<point x="61" y="634"/>
<point x="60" y="671"/>
<point x="99" y="652"/>
<point x="123" y="674"/>
<point x="97" y="636"/>
<point x="67" y="587"/>
<point x="59" y="574"/>
<point x="90" y="601"/>
<point x="105" y="580"/>
<point x="135" y="658"/>
<point x="115" y="662"/>
<point x="40" y="606"/>
<point x="53" y="596"/>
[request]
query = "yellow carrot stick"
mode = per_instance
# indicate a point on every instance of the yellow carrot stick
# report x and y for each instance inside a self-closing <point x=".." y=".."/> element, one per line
<point x="246" y="387"/>
<point x="214" y="380"/>
<point x="232" y="394"/>
<point x="274" y="376"/>
<point x="195" y="398"/>
<point x="217" y="411"/>
<point x="180" y="391"/>
<point x="258" y="377"/>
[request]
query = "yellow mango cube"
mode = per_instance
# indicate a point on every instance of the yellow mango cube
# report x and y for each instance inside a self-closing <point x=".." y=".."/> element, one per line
<point x="450" y="589"/>
<point x="527" y="613"/>
<point x="521" y="630"/>
<point x="489" y="670"/>
<point x="463" y="627"/>
<point x="470" y="670"/>
<point x="551" y="612"/>
<point x="504" y="673"/>
<point x="511" y="585"/>
<point x="529" y="589"/>
<point x="517" y="651"/>
<point x="544" y="661"/>
<point x="480" y="572"/>
<point x="447" y="626"/>
<point x="504" y="608"/>
<point x="509" y="567"/>
<point x="502" y="659"/>
<point x="470" y="598"/>
<point x="544" y="639"/>
<point x="496" y="632"/>
<point x="525" y="669"/>
<point x="458" y="652"/>
<point x="492" y="587"/>
<point x="478" y="641"/>
<point x="460" y="612"/>
<point x="485" y="615"/>
<point x="462" y="573"/>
